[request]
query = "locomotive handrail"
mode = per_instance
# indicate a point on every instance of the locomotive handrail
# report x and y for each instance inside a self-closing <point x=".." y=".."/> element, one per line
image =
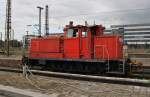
<point x="108" y="56"/>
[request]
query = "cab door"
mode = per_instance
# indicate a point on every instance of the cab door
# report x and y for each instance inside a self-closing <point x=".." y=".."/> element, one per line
<point x="85" y="46"/>
<point x="71" y="44"/>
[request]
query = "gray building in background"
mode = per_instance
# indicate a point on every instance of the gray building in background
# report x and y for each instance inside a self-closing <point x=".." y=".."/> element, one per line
<point x="134" y="34"/>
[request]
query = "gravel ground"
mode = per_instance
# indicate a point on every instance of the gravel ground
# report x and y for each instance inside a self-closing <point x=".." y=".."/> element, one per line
<point x="71" y="88"/>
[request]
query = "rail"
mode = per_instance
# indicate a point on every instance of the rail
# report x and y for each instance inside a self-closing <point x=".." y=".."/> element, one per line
<point x="114" y="80"/>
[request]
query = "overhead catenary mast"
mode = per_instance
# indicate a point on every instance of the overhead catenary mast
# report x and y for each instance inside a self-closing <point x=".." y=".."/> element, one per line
<point x="8" y="26"/>
<point x="40" y="9"/>
<point x="46" y="20"/>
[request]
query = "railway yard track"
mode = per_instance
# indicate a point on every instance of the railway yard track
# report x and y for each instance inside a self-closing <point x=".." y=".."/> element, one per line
<point x="139" y="79"/>
<point x="136" y="85"/>
<point x="60" y="87"/>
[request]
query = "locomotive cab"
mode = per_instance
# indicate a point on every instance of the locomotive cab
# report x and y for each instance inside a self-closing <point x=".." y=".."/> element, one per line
<point x="90" y="43"/>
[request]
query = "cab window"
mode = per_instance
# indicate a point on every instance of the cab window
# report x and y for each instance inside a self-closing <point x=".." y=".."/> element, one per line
<point x="72" y="33"/>
<point x="84" y="34"/>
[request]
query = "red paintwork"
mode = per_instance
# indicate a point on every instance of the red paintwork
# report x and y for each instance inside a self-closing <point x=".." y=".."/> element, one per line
<point x="108" y="47"/>
<point x="71" y="48"/>
<point x="95" y="45"/>
<point x="85" y="49"/>
<point x="47" y="47"/>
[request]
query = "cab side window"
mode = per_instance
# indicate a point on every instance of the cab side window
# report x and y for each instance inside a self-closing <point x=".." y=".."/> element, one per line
<point x="72" y="33"/>
<point x="84" y="34"/>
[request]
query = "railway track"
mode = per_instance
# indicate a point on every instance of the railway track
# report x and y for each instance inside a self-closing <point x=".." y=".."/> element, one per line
<point x="7" y="91"/>
<point x="115" y="80"/>
<point x="144" y="73"/>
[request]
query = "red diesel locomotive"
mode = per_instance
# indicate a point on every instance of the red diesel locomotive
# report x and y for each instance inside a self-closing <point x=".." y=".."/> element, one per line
<point x="82" y="49"/>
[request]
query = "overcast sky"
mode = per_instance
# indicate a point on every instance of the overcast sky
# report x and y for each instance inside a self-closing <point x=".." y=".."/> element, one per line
<point x="106" y="12"/>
